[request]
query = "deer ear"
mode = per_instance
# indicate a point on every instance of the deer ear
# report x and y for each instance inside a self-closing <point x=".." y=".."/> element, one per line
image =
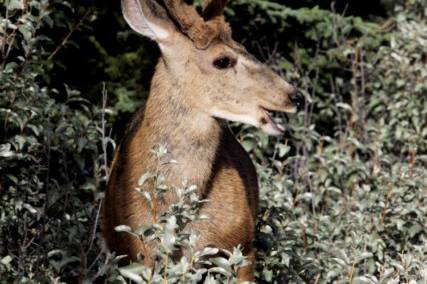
<point x="148" y="18"/>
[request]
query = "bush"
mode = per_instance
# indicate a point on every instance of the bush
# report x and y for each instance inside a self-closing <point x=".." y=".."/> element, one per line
<point x="51" y="160"/>
<point x="343" y="193"/>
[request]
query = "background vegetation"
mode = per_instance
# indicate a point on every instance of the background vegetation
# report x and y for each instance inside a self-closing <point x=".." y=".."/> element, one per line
<point x="343" y="193"/>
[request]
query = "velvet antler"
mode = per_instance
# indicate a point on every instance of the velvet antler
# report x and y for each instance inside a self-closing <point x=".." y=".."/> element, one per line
<point x="201" y="30"/>
<point x="213" y="8"/>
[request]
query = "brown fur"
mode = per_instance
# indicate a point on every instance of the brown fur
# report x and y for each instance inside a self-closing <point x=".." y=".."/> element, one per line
<point x="189" y="97"/>
<point x="208" y="156"/>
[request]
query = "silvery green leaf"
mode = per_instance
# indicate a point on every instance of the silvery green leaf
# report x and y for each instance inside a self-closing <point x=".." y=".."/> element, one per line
<point x="198" y="275"/>
<point x="5" y="151"/>
<point x="193" y="239"/>
<point x="283" y="150"/>
<point x="123" y="228"/>
<point x="207" y="251"/>
<point x="219" y="270"/>
<point x="221" y="262"/>
<point x="171" y="224"/>
<point x="168" y="242"/>
<point x="388" y="273"/>
<point x="143" y="179"/>
<point x="21" y="141"/>
<point x="6" y="260"/>
<point x="15" y="5"/>
<point x="248" y="145"/>
<point x="55" y="252"/>
<point x="203" y="217"/>
<point x="268" y="275"/>
<point x="147" y="196"/>
<point x="266" y="229"/>
<point x="345" y="106"/>
<point x="160" y="151"/>
<point x="399" y="267"/>
<point x="363" y="279"/>
<point x="237" y="258"/>
<point x="364" y="256"/>
<point x="394" y="281"/>
<point x="168" y="239"/>
<point x="340" y="262"/>
<point x="332" y="274"/>
<point x="133" y="272"/>
<point x="147" y="273"/>
<point x="286" y="259"/>
<point x="30" y="208"/>
<point x="25" y="31"/>
<point x="191" y="188"/>
<point x="210" y="280"/>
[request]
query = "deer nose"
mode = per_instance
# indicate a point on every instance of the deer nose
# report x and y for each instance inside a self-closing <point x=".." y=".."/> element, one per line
<point x="298" y="99"/>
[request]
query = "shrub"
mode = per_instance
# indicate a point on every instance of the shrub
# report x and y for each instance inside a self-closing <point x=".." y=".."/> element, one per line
<point x="343" y="193"/>
<point x="51" y="160"/>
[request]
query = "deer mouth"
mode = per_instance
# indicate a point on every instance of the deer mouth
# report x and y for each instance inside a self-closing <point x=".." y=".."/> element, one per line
<point x="268" y="123"/>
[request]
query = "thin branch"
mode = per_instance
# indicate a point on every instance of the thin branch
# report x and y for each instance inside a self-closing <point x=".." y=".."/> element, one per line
<point x="103" y="125"/>
<point x="92" y="239"/>
<point x="70" y="33"/>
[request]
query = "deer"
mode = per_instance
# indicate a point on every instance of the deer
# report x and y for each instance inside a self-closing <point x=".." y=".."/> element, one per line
<point x="203" y="79"/>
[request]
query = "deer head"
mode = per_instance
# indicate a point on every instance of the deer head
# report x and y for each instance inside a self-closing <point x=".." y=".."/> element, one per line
<point x="220" y="77"/>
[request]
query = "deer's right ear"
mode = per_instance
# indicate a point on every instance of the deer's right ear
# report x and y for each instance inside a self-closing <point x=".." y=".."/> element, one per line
<point x="148" y="18"/>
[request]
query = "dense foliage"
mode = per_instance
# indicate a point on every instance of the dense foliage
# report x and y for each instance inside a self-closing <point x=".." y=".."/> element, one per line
<point x="343" y="192"/>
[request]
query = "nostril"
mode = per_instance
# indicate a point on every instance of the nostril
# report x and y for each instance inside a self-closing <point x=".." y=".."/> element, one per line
<point x="298" y="99"/>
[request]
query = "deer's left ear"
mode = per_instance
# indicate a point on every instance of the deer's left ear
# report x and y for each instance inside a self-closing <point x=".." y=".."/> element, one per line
<point x="148" y="18"/>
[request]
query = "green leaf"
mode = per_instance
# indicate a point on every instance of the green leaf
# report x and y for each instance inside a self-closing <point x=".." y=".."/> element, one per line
<point x="26" y="32"/>
<point x="15" y="5"/>
<point x="133" y="272"/>
<point x="144" y="178"/>
<point x="5" y="151"/>
<point x="123" y="228"/>
<point x="6" y="260"/>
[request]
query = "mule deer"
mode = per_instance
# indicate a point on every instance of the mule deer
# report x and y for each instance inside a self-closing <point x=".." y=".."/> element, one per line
<point x="203" y="77"/>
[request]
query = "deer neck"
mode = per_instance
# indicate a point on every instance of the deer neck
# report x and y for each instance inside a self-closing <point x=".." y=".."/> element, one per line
<point x="190" y="135"/>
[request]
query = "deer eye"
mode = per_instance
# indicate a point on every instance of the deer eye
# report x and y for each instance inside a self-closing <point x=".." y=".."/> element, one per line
<point x="224" y="62"/>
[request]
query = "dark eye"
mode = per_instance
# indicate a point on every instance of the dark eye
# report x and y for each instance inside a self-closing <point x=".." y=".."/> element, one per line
<point x="224" y="62"/>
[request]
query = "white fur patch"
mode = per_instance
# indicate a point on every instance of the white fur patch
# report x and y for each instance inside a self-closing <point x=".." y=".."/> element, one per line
<point x="203" y="120"/>
<point x="249" y="119"/>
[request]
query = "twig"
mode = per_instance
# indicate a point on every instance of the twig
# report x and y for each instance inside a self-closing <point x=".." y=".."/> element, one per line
<point x="70" y="33"/>
<point x="104" y="143"/>
<point x="94" y="228"/>
<point x="8" y="40"/>
<point x="105" y="162"/>
<point x="353" y="269"/>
